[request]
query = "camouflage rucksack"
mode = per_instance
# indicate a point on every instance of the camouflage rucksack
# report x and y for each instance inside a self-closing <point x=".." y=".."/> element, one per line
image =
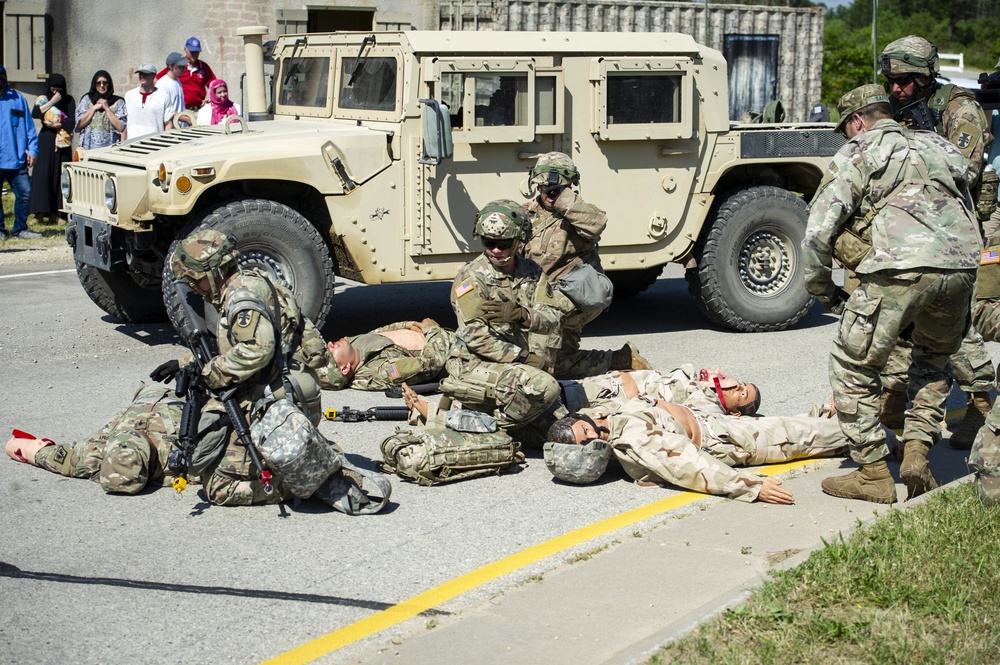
<point x="438" y="453"/>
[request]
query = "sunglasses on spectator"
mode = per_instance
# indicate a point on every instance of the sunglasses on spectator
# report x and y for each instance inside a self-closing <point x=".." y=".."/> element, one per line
<point x="491" y="243"/>
<point x="101" y="82"/>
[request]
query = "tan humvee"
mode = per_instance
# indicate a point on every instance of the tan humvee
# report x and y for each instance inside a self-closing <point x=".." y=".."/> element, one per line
<point x="381" y="147"/>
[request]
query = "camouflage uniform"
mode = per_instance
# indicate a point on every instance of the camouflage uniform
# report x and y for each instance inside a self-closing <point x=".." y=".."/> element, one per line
<point x="736" y="440"/>
<point x="561" y="239"/>
<point x="130" y="451"/>
<point x="486" y="370"/>
<point x="918" y="271"/>
<point x="383" y="364"/>
<point x="985" y="455"/>
<point x="962" y="121"/>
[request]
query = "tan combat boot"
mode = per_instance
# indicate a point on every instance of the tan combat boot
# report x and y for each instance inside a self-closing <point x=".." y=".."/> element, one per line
<point x="893" y="409"/>
<point x="975" y="417"/>
<point x="628" y="357"/>
<point x="872" y="482"/>
<point x="914" y="471"/>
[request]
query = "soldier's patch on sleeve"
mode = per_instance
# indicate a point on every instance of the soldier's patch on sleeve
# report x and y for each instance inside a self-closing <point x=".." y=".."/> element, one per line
<point x="244" y="325"/>
<point x="964" y="140"/>
<point x="463" y="288"/>
<point x="988" y="256"/>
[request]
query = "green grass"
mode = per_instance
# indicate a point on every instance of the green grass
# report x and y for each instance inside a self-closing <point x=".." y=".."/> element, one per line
<point x="48" y="231"/>
<point x="916" y="586"/>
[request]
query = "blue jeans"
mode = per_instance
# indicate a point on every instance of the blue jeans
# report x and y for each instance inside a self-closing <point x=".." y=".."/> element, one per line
<point x="21" y="187"/>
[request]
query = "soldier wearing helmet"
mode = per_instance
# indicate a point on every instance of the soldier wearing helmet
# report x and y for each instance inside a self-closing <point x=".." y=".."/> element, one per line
<point x="565" y="232"/>
<point x="910" y="66"/>
<point x="509" y="324"/>
<point x="249" y="302"/>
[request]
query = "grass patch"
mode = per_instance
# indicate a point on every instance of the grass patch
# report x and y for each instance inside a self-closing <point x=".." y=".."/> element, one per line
<point x="34" y="224"/>
<point x="585" y="556"/>
<point x="920" y="586"/>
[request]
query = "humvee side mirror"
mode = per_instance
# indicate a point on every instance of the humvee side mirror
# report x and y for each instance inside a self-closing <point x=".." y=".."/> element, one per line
<point x="437" y="132"/>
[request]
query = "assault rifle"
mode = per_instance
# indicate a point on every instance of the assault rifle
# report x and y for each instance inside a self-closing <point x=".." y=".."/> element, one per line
<point x="349" y="415"/>
<point x="420" y="389"/>
<point x="191" y="386"/>
<point x="918" y="115"/>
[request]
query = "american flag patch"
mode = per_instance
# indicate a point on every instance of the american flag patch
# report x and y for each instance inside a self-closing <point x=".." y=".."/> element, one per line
<point x="989" y="256"/>
<point x="463" y="288"/>
<point x="393" y="371"/>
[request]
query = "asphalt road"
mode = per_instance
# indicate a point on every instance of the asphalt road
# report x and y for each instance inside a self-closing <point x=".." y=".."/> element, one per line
<point x="160" y="578"/>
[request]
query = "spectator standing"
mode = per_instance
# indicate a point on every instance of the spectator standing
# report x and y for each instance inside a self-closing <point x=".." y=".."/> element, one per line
<point x="195" y="77"/>
<point x="18" y="149"/>
<point x="148" y="108"/>
<point x="100" y="115"/>
<point x="57" y="113"/>
<point x="169" y="84"/>
<point x="219" y="105"/>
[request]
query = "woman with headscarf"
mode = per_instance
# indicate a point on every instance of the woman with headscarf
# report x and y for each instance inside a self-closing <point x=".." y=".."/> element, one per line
<point x="101" y="115"/>
<point x="219" y="107"/>
<point x="57" y="112"/>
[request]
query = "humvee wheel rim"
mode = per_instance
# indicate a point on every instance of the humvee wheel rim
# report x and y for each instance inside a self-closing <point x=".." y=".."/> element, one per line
<point x="250" y="258"/>
<point x="765" y="262"/>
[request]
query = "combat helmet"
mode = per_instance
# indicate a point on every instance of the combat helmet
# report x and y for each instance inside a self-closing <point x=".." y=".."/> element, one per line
<point x="554" y="168"/>
<point x="577" y="463"/>
<point x="910" y="55"/>
<point x="205" y="253"/>
<point x="501" y="220"/>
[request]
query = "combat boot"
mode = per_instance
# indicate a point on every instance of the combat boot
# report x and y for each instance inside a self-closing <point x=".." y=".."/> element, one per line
<point x="628" y="357"/>
<point x="893" y="409"/>
<point x="914" y="471"/>
<point x="975" y="417"/>
<point x="872" y="482"/>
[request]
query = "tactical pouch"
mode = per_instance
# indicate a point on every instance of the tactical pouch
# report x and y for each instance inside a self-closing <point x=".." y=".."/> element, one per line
<point x="988" y="274"/>
<point x="850" y="249"/>
<point x="588" y="288"/>
<point x="986" y="203"/>
<point x="442" y="455"/>
<point x="294" y="449"/>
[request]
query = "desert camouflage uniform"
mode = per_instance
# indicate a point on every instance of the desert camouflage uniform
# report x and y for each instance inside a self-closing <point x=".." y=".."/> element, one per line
<point x="964" y="123"/>
<point x="246" y="350"/>
<point x="561" y="239"/>
<point x="383" y="364"/>
<point x="735" y="440"/>
<point x="486" y="369"/>
<point x="127" y="453"/>
<point x="985" y="455"/>
<point x="919" y="271"/>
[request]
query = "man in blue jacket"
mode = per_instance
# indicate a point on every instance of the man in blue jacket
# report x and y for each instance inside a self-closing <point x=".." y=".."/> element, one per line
<point x="18" y="149"/>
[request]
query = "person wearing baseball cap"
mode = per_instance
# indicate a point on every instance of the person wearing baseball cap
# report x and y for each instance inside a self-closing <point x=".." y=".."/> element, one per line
<point x="892" y="208"/>
<point x="194" y="79"/>
<point x="148" y="108"/>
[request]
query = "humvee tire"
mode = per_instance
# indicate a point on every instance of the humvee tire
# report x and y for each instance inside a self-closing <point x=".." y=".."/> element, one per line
<point x="749" y="276"/>
<point x="272" y="236"/>
<point x="119" y="295"/>
<point x="629" y="283"/>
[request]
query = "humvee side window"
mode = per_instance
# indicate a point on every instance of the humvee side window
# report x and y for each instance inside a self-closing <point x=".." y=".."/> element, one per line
<point x="644" y="99"/>
<point x="491" y="100"/>
<point x="371" y="87"/>
<point x="501" y="101"/>
<point x="305" y="83"/>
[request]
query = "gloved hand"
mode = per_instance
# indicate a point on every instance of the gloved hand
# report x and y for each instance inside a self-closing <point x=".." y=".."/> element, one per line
<point x="535" y="360"/>
<point x="510" y="312"/>
<point x="166" y="372"/>
<point x="836" y="304"/>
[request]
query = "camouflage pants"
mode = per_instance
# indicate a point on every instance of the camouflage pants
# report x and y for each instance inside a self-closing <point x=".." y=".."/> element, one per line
<point x="233" y="481"/>
<point x="515" y="394"/>
<point x="127" y="453"/>
<point x="886" y="302"/>
<point x="572" y="362"/>
<point x="768" y="440"/>
<point x="972" y="365"/>
<point x="985" y="458"/>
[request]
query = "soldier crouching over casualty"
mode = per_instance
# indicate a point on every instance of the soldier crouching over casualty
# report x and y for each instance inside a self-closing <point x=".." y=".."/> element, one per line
<point x="659" y="442"/>
<point x="508" y="326"/>
<point x="124" y="456"/>
<point x="410" y="351"/>
<point x="894" y="207"/>
<point x="267" y="354"/>
<point x="565" y="232"/>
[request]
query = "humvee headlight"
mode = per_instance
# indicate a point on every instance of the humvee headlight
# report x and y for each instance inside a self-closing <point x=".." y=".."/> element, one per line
<point x="183" y="184"/>
<point x="111" y="195"/>
<point x="66" y="184"/>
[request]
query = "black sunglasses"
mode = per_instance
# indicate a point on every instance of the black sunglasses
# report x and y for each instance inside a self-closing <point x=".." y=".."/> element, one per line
<point x="901" y="81"/>
<point x="491" y="243"/>
<point x="101" y="82"/>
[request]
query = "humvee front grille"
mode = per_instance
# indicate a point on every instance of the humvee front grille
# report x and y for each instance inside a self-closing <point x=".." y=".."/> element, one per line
<point x="88" y="188"/>
<point x="790" y="143"/>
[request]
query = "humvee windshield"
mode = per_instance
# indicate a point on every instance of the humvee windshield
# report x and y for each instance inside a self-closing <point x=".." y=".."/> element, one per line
<point x="374" y="84"/>
<point x="305" y="82"/>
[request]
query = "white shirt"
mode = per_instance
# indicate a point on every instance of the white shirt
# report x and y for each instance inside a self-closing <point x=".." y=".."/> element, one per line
<point x="147" y="117"/>
<point x="174" y="90"/>
<point x="205" y="113"/>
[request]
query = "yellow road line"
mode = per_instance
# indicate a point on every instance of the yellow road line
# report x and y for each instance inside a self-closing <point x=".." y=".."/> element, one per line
<point x="453" y="588"/>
